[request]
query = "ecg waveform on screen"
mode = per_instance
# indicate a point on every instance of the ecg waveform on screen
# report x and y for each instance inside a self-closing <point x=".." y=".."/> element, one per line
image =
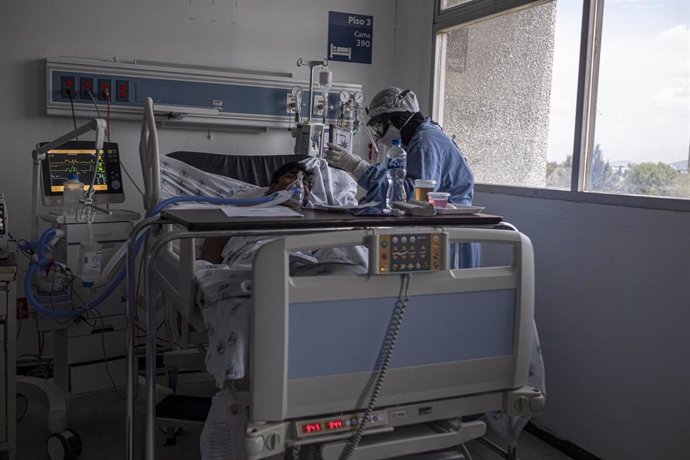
<point x="61" y="166"/>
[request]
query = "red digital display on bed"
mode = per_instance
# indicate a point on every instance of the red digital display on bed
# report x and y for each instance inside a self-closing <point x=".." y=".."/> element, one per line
<point x="318" y="427"/>
<point x="335" y="424"/>
<point x="311" y="428"/>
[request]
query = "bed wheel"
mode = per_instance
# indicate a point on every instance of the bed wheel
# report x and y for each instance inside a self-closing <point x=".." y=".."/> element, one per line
<point x="64" y="446"/>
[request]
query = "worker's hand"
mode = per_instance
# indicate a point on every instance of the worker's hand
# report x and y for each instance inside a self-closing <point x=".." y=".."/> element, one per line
<point x="341" y="158"/>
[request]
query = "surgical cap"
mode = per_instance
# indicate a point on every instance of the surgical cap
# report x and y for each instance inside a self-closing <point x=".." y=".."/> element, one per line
<point x="392" y="100"/>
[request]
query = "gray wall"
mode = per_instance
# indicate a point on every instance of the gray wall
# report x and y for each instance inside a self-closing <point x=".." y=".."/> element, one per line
<point x="613" y="310"/>
<point x="251" y="34"/>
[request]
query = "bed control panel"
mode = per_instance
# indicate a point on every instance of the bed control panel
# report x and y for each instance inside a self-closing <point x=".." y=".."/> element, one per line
<point x="339" y="424"/>
<point x="409" y="252"/>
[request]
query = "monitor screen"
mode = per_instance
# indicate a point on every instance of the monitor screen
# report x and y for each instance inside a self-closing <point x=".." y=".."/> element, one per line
<point x="2" y="218"/>
<point x="79" y="157"/>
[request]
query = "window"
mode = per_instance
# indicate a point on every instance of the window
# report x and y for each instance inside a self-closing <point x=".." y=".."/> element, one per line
<point x="445" y="4"/>
<point x="641" y="132"/>
<point x="534" y="100"/>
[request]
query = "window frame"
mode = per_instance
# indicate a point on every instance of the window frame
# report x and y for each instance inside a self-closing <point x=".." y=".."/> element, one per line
<point x="585" y="117"/>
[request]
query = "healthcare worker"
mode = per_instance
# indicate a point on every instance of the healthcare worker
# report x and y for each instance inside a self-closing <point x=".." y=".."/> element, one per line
<point x="431" y="154"/>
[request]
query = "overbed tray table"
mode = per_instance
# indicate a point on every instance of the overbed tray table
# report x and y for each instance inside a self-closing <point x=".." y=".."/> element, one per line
<point x="215" y="220"/>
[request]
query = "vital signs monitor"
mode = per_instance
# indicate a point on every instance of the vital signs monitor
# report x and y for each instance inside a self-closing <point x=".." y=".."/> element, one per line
<point x="80" y="157"/>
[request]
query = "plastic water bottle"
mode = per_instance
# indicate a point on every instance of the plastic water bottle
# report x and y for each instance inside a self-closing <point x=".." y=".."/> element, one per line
<point x="90" y="254"/>
<point x="396" y="170"/>
<point x="72" y="193"/>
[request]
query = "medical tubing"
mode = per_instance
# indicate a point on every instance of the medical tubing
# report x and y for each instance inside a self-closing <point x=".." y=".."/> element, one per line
<point x="39" y="249"/>
<point x="212" y="200"/>
<point x="28" y="290"/>
<point x="383" y="362"/>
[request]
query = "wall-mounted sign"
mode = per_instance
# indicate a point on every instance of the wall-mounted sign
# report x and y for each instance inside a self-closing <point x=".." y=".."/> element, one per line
<point x="350" y="37"/>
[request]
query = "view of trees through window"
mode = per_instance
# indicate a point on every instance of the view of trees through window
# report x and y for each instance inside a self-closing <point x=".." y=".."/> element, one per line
<point x="647" y="178"/>
<point x="509" y="92"/>
<point x="642" y="131"/>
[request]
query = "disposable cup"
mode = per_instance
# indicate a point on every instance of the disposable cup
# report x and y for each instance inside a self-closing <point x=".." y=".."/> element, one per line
<point x="439" y="199"/>
<point x="422" y="187"/>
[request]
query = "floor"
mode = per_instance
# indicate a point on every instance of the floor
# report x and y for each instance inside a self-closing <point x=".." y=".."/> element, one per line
<point x="102" y="430"/>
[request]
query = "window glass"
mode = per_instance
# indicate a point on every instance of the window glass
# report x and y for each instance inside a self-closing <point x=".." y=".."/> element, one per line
<point x="445" y="4"/>
<point x="507" y="90"/>
<point x="642" y="131"/>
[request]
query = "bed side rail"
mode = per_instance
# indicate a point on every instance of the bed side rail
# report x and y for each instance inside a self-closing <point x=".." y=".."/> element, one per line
<point x="274" y="394"/>
<point x="149" y="157"/>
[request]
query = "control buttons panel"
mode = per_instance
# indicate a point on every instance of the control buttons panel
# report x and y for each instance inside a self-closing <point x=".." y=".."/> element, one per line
<point x="408" y="252"/>
<point x="328" y="425"/>
<point x="111" y="165"/>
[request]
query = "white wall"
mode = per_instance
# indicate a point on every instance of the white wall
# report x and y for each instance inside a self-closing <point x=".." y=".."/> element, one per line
<point x="612" y="304"/>
<point x="252" y="34"/>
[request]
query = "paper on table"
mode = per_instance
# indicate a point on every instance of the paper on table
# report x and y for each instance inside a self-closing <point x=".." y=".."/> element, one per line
<point x="328" y="207"/>
<point x="196" y="205"/>
<point x="275" y="211"/>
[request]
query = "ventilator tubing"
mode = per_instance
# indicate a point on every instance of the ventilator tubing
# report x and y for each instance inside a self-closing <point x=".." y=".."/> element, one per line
<point x="47" y="237"/>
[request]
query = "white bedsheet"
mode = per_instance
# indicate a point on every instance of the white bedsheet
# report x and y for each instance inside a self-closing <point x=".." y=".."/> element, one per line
<point x="179" y="178"/>
<point x="328" y="186"/>
<point x="224" y="296"/>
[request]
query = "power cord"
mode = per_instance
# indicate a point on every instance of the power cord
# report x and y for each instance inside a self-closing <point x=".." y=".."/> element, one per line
<point x="98" y="111"/>
<point x="130" y="178"/>
<point x="105" y="358"/>
<point x="383" y="362"/>
<point x="107" y="135"/>
<point x="71" y="103"/>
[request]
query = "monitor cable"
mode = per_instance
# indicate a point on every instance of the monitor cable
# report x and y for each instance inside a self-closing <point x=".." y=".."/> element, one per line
<point x="382" y="364"/>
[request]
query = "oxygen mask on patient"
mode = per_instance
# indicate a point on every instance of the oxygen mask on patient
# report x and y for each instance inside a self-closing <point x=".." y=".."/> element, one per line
<point x="296" y="190"/>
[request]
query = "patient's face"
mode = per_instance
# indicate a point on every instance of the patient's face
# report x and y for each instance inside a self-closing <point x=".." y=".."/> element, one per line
<point x="285" y="180"/>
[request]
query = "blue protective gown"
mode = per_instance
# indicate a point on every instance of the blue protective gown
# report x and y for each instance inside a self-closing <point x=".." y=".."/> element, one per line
<point x="431" y="154"/>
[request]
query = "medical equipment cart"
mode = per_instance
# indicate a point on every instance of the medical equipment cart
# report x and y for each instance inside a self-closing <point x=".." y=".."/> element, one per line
<point x="8" y="359"/>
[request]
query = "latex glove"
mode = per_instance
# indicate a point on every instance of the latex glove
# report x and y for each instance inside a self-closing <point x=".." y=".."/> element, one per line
<point x="341" y="158"/>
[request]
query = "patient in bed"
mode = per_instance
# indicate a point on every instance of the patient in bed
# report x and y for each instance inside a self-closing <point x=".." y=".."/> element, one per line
<point x="239" y="252"/>
<point x="282" y="178"/>
<point x="224" y="281"/>
<point x="224" y="268"/>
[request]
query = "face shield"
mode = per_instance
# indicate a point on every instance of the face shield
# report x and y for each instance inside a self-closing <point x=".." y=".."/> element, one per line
<point x="378" y="127"/>
<point x="386" y="102"/>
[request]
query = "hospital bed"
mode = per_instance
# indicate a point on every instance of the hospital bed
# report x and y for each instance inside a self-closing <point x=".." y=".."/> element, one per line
<point x="462" y="347"/>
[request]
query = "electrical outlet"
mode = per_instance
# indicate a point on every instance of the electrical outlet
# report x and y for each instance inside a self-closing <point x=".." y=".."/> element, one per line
<point x="67" y="87"/>
<point x="105" y="89"/>
<point x="85" y="87"/>
<point x="22" y="308"/>
<point x="122" y="94"/>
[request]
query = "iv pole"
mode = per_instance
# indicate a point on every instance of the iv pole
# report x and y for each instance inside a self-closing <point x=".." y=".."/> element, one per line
<point x="312" y="65"/>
